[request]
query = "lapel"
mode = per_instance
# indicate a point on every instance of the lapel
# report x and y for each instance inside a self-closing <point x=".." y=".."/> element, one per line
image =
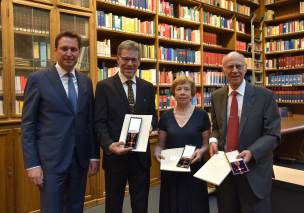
<point x="53" y="76"/>
<point x="119" y="87"/>
<point x="82" y="89"/>
<point x="223" y="110"/>
<point x="247" y="105"/>
<point x="139" y="95"/>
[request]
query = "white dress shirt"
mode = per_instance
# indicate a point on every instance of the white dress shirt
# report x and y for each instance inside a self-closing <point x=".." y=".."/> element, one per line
<point x="123" y="80"/>
<point x="65" y="79"/>
<point x="240" y="98"/>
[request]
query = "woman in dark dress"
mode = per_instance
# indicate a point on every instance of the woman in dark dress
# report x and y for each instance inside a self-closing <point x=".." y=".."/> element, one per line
<point x="180" y="192"/>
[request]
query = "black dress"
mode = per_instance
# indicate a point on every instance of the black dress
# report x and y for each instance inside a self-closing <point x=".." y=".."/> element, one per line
<point x="181" y="192"/>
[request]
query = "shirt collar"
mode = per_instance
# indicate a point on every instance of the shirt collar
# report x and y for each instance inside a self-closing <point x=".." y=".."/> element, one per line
<point x="123" y="78"/>
<point x="62" y="72"/>
<point x="240" y="90"/>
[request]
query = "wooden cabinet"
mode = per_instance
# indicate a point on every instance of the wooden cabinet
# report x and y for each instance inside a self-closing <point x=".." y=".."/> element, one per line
<point x="7" y="171"/>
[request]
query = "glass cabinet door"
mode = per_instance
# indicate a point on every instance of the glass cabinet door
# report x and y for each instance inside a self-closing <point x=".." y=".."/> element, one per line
<point x="79" y="3"/>
<point x="31" y="46"/>
<point x="80" y="25"/>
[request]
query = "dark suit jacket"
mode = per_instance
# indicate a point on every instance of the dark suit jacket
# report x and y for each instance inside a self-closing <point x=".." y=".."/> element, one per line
<point x="50" y="128"/>
<point x="111" y="105"/>
<point x="259" y="131"/>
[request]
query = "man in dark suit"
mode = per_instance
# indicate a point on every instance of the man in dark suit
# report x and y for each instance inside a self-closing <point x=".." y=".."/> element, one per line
<point x="57" y="130"/>
<point x="245" y="118"/>
<point x="116" y="96"/>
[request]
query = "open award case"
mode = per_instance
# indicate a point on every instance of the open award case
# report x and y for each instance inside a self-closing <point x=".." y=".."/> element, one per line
<point x="133" y="132"/>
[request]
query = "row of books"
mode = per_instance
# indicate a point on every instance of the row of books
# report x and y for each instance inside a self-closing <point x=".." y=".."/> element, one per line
<point x="285" y="62"/>
<point x="105" y="72"/>
<point x="211" y="77"/>
<point x="225" y="4"/>
<point x="289" y="95"/>
<point x="165" y="7"/>
<point x="184" y="12"/>
<point x="83" y="63"/>
<point x="74" y="23"/>
<point x="29" y="62"/>
<point x="217" y="21"/>
<point x="210" y="38"/>
<point x="207" y="96"/>
<point x="240" y="26"/>
<point x="282" y="80"/>
<point x="167" y="77"/>
<point x="125" y="24"/>
<point x="282" y="45"/>
<point x="138" y="4"/>
<point x="20" y="82"/>
<point x="18" y="106"/>
<point x="292" y="26"/>
<point x="31" y="20"/>
<point x="80" y="3"/>
<point x="243" y="9"/>
<point x="104" y="49"/>
<point x="41" y="53"/>
<point x="146" y="74"/>
<point x="302" y="7"/>
<point x="186" y="56"/>
<point x="213" y="59"/>
<point x="179" y="33"/>
<point x="189" y="13"/>
<point x="249" y="64"/>
<point x="241" y="45"/>
<point x="1" y="107"/>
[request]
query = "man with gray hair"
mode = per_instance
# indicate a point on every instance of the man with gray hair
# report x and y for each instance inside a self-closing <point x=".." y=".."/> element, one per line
<point x="244" y="118"/>
<point x="117" y="96"/>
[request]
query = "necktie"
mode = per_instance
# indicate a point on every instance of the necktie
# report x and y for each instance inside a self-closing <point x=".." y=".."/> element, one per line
<point x="233" y="125"/>
<point x="131" y="96"/>
<point x="72" y="92"/>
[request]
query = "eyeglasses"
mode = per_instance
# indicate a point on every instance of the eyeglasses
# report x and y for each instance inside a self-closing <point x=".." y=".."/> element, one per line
<point x="127" y="59"/>
<point x="237" y="66"/>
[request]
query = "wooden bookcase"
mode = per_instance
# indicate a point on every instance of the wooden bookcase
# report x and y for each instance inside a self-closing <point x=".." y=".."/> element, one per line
<point x="24" y="49"/>
<point x="284" y="58"/>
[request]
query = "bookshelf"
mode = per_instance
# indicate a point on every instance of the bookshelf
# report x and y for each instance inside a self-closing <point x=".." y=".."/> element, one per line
<point x="208" y="29"/>
<point x="283" y="52"/>
<point x="31" y="35"/>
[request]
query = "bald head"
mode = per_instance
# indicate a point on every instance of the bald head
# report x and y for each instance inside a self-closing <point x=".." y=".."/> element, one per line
<point x="233" y="54"/>
<point x="234" y="68"/>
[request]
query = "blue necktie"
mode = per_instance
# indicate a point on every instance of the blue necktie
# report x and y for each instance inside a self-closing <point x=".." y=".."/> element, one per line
<point x="72" y="92"/>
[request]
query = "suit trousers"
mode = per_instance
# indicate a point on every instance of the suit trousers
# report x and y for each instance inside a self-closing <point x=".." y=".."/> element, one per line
<point x="138" y="179"/>
<point x="64" y="192"/>
<point x="235" y="195"/>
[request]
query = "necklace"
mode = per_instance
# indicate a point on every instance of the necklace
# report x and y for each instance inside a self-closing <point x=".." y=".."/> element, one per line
<point x="182" y="117"/>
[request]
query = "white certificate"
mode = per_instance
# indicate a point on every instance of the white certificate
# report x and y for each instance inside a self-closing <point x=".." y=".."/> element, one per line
<point x="172" y="156"/>
<point x="144" y="131"/>
<point x="215" y="170"/>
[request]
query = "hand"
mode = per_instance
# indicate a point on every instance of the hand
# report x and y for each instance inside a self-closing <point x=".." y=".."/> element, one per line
<point x="213" y="149"/>
<point x="158" y="156"/>
<point x="246" y="155"/>
<point x="198" y="155"/>
<point x="36" y="176"/>
<point x="93" y="167"/>
<point x="118" y="148"/>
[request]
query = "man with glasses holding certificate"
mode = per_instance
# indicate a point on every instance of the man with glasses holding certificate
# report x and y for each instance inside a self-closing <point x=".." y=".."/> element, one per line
<point x="117" y="96"/>
<point x="245" y="119"/>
